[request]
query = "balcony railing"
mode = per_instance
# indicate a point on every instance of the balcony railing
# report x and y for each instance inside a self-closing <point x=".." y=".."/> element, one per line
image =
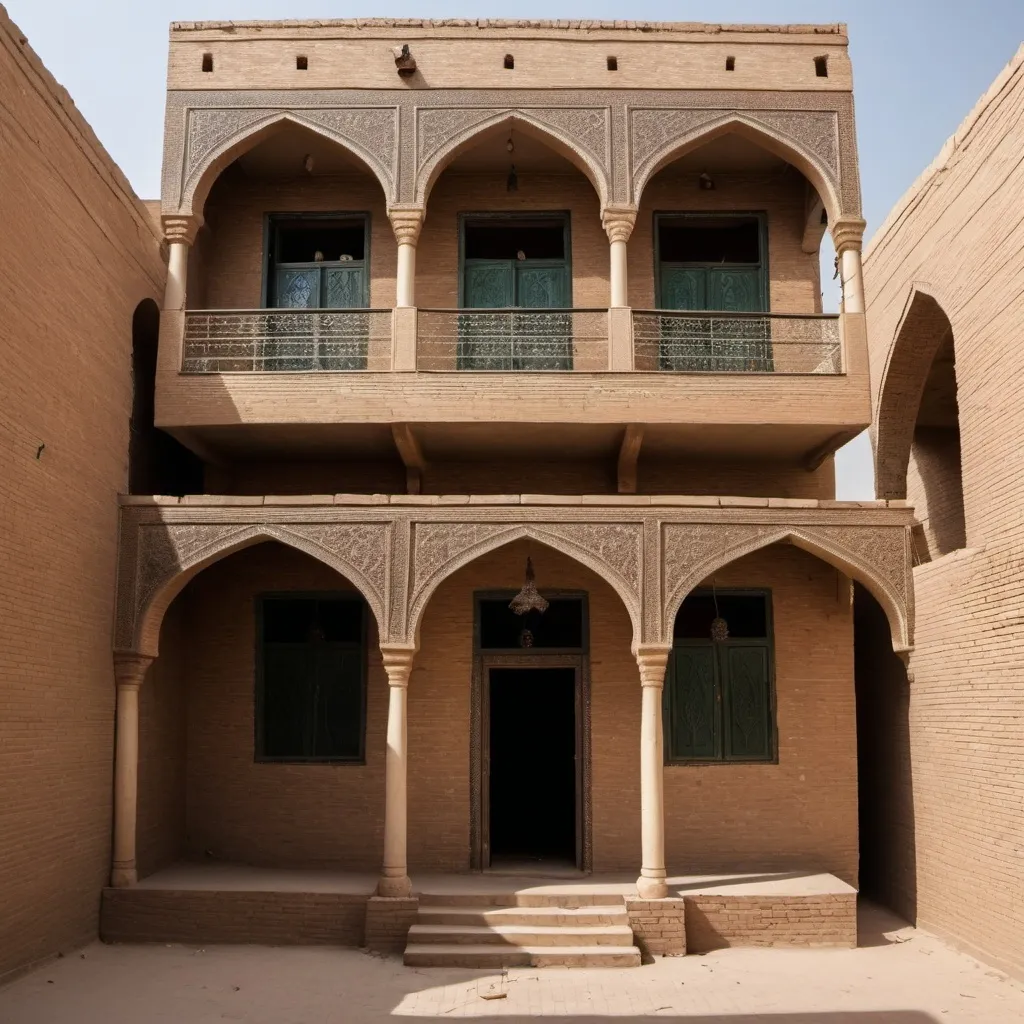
<point x="524" y="340"/>
<point x="286" y="340"/>
<point x="776" y="343"/>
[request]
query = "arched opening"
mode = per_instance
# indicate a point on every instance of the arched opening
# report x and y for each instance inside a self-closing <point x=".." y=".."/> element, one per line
<point x="157" y="462"/>
<point x="523" y="749"/>
<point x="263" y="720"/>
<point x="525" y="210"/>
<point x="918" y="452"/>
<point x="888" y="861"/>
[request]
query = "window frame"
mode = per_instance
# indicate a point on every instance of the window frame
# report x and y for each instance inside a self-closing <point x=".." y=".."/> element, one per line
<point x="721" y="758"/>
<point x="479" y="596"/>
<point x="258" y="690"/>
<point x="271" y="220"/>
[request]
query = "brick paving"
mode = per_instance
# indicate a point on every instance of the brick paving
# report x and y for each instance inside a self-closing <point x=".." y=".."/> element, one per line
<point x="899" y="976"/>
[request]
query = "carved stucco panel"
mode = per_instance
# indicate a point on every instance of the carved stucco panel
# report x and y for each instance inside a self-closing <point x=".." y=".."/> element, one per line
<point x="207" y="129"/>
<point x="885" y="550"/>
<point x="650" y="131"/>
<point x="617" y="545"/>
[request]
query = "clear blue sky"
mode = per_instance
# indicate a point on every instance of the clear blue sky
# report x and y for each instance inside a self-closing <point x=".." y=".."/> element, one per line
<point x="919" y="66"/>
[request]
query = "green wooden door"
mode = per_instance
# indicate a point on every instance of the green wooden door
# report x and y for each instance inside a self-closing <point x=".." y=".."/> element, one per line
<point x="692" y="707"/>
<point x="515" y="340"/>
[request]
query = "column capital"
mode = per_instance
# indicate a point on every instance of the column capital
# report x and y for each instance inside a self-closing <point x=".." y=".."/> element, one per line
<point x="406" y="222"/>
<point x="618" y="219"/>
<point x="130" y="669"/>
<point x="652" y="660"/>
<point x="181" y="228"/>
<point x="848" y="233"/>
<point x="398" y="660"/>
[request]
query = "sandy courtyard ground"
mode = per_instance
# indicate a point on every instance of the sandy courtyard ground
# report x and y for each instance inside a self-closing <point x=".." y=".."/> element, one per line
<point x="898" y="976"/>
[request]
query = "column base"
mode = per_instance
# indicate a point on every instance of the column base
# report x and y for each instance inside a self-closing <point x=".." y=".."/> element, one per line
<point x="399" y="885"/>
<point x="123" y="877"/>
<point x="651" y="888"/>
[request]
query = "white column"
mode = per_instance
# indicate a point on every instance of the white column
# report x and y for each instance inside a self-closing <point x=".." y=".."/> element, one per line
<point x="180" y="233"/>
<point x="394" y="879"/>
<point x="129" y="671"/>
<point x="618" y="222"/>
<point x="651" y="884"/>
<point x="406" y="221"/>
<point x="848" y="235"/>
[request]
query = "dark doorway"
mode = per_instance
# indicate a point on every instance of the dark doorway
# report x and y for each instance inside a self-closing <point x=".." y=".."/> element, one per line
<point x="532" y="765"/>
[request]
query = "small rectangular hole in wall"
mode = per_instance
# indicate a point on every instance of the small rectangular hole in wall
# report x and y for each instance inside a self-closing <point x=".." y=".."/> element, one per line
<point x="613" y="63"/>
<point x="510" y="62"/>
<point x="207" y="61"/>
<point x="730" y="63"/>
<point x="821" y="67"/>
<point x="301" y="63"/>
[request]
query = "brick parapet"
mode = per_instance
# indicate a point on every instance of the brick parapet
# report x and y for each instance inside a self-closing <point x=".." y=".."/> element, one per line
<point x="388" y="920"/>
<point x="659" y="926"/>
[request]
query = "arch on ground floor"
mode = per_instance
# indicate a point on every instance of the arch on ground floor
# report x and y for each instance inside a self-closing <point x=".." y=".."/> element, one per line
<point x="154" y="594"/>
<point x="557" y="537"/>
<point x="852" y="563"/>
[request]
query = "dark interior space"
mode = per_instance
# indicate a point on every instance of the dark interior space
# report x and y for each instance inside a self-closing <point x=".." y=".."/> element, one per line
<point x="300" y="241"/>
<point x="888" y="856"/>
<point x="709" y="240"/>
<point x="542" y="239"/>
<point x="559" y="628"/>
<point x="157" y="462"/>
<point x="533" y="764"/>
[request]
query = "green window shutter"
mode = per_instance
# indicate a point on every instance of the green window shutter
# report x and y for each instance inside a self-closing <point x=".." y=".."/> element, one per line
<point x="694" y="717"/>
<point x="735" y="290"/>
<point x="683" y="287"/>
<point x="488" y="284"/>
<point x="298" y="289"/>
<point x="345" y="287"/>
<point x="542" y="285"/>
<point x="746" y="703"/>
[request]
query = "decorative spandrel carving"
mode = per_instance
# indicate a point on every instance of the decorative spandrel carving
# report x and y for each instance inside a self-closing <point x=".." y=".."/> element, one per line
<point x="651" y="131"/>
<point x="359" y="547"/>
<point x="885" y="551"/>
<point x="587" y="127"/>
<point x="617" y="545"/>
<point x="371" y="132"/>
<point x="435" y="128"/>
<point x="437" y="545"/>
<point x="816" y="130"/>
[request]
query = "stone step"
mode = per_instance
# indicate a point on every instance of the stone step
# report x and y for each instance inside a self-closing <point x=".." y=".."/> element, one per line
<point x="571" y="916"/>
<point x="520" y="935"/>
<point x="490" y="957"/>
<point x="521" y="899"/>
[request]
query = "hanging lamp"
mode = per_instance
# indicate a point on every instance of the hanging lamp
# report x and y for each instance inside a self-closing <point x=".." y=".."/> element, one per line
<point x="528" y="599"/>
<point x="719" y="627"/>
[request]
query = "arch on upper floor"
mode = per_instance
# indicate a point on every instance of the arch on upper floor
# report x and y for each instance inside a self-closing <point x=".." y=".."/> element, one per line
<point x="552" y="536"/>
<point x="156" y="599"/>
<point x="529" y="124"/>
<point x="200" y="175"/>
<point x="896" y="606"/>
<point x="921" y="332"/>
<point x="786" y="147"/>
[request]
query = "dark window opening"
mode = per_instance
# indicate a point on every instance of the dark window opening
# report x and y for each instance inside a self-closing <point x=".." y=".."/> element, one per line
<point x="505" y="240"/>
<point x="821" y="67"/>
<point x="730" y="63"/>
<point x="613" y="63"/>
<point x="334" y="241"/>
<point x="561" y="627"/>
<point x="709" y="240"/>
<point x="207" y="61"/>
<point x="310" y="684"/>
<point x="719" y="700"/>
<point x="532" y="764"/>
<point x="510" y="62"/>
<point x="301" y="63"/>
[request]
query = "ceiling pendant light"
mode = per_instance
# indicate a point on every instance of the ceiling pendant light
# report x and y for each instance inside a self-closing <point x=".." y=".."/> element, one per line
<point x="528" y="599"/>
<point x="719" y="627"/>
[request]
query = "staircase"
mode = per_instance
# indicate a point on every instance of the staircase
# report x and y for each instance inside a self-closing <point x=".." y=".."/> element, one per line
<point x="521" y="930"/>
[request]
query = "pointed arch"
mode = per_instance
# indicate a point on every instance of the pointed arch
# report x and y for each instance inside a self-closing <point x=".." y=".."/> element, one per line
<point x="922" y="329"/>
<point x="775" y="141"/>
<point x="502" y="537"/>
<point x="198" y="180"/>
<point x="849" y="562"/>
<point x="527" y="123"/>
<point x="150" y="612"/>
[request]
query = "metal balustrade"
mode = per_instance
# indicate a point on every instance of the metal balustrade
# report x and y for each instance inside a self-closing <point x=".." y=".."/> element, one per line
<point x="286" y="340"/>
<point x="711" y="342"/>
<point x="512" y="340"/>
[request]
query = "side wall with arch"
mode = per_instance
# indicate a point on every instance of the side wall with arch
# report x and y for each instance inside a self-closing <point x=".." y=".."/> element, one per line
<point x="957" y="237"/>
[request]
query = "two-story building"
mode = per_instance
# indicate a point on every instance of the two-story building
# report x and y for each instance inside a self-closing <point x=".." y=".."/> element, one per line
<point x="501" y="352"/>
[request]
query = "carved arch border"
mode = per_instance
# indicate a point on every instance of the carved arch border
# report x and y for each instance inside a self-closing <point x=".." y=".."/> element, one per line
<point x="146" y="611"/>
<point x="251" y="129"/>
<point x="593" y="165"/>
<point x="920" y="332"/>
<point x="897" y="608"/>
<point x="821" y="176"/>
<point x="419" y="597"/>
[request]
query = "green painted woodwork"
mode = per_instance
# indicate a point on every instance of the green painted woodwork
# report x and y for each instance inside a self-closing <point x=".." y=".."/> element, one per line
<point x="693" y="709"/>
<point x="746" y="703"/>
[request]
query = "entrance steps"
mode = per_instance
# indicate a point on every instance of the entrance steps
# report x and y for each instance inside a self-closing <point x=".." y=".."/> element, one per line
<point x="521" y="930"/>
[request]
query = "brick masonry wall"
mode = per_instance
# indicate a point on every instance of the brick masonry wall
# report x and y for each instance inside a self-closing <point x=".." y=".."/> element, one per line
<point x="958" y="236"/>
<point x="715" y="922"/>
<point x="800" y="813"/>
<point x="659" y="926"/>
<point x="79" y="253"/>
<point x="388" y="921"/>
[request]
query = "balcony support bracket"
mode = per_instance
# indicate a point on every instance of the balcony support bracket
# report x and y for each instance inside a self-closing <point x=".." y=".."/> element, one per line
<point x="629" y="457"/>
<point x="411" y="453"/>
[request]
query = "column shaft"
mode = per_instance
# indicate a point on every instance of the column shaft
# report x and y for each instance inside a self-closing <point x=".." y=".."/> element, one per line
<point x="129" y="673"/>
<point x="394" y="880"/>
<point x="852" y="277"/>
<point x="405" y="292"/>
<point x="177" y="276"/>
<point x="619" y="288"/>
<point x="651" y="884"/>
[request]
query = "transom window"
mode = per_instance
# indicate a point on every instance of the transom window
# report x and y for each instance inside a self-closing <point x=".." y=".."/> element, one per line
<point x="719" y="695"/>
<point x="310" y="678"/>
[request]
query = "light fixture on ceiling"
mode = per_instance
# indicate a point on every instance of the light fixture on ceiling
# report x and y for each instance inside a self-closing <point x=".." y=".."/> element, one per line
<point x="705" y="181"/>
<point x="512" y="181"/>
<point x="719" y="627"/>
<point x="307" y="163"/>
<point x="528" y="599"/>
